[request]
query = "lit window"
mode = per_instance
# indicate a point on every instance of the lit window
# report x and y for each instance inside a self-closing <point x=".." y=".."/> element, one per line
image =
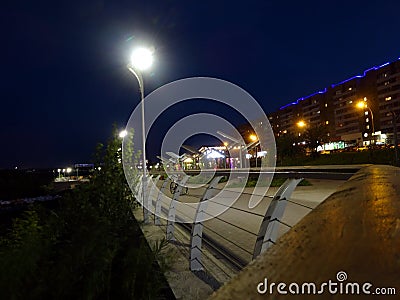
<point x="365" y="134"/>
<point x="326" y="104"/>
<point x="350" y="88"/>
<point x="367" y="126"/>
<point x="277" y="125"/>
<point x="351" y="101"/>
<point x="367" y="120"/>
<point x="388" y="98"/>
<point x="326" y="122"/>
<point x="366" y="113"/>
<point x="328" y="134"/>
<point x="285" y="131"/>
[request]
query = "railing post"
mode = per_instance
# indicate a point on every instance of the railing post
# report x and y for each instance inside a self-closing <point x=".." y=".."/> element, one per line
<point x="147" y="180"/>
<point x="139" y="190"/>
<point x="157" y="213"/>
<point x="197" y="228"/>
<point x="172" y="209"/>
<point x="269" y="227"/>
<point x="153" y="188"/>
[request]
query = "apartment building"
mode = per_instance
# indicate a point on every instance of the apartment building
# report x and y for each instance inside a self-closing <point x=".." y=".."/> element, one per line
<point x="338" y="108"/>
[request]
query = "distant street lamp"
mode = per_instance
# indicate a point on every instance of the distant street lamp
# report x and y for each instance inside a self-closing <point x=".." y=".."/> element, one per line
<point x="141" y="60"/>
<point x="301" y="124"/>
<point x="235" y="141"/>
<point x="123" y="133"/>
<point x="254" y="138"/>
<point x="69" y="170"/>
<point x="363" y="105"/>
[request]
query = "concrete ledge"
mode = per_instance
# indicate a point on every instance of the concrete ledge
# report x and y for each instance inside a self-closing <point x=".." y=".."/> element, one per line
<point x="356" y="230"/>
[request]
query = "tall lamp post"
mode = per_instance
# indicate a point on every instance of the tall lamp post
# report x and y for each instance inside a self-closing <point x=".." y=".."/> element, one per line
<point x="141" y="60"/>
<point x="254" y="138"/>
<point x="363" y="105"/>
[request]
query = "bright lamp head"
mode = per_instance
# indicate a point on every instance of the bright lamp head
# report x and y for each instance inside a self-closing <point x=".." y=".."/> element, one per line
<point x="123" y="133"/>
<point x="142" y="58"/>
<point x="361" y="104"/>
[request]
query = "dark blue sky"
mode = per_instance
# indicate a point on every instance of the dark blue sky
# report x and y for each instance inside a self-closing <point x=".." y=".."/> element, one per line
<point x="64" y="80"/>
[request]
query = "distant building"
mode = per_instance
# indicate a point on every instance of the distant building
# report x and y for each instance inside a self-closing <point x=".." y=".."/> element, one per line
<point x="335" y="107"/>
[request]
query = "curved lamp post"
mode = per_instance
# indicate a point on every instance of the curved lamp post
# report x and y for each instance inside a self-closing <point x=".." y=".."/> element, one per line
<point x="363" y="105"/>
<point x="141" y="59"/>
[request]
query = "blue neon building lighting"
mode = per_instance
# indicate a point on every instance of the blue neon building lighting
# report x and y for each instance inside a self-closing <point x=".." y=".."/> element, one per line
<point x="334" y="85"/>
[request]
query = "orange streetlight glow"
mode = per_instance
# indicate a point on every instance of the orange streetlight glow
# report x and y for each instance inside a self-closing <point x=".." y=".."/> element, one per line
<point x="301" y="124"/>
<point x="361" y="104"/>
<point x="253" y="137"/>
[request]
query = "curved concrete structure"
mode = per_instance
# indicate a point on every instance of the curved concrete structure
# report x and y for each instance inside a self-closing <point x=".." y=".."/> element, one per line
<point x="356" y="231"/>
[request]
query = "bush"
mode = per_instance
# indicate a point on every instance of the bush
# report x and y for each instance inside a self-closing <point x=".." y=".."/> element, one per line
<point x="89" y="247"/>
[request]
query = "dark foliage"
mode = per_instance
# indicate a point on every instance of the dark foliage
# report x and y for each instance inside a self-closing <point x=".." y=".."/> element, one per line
<point x="89" y="247"/>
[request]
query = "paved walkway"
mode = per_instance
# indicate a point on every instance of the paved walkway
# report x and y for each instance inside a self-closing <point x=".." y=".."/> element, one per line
<point x="238" y="226"/>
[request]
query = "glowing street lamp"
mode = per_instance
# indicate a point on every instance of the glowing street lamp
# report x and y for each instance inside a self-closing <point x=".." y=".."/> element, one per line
<point x="301" y="124"/>
<point x="362" y="104"/>
<point x="253" y="137"/>
<point x="123" y="134"/>
<point x="69" y="170"/>
<point x="141" y="60"/>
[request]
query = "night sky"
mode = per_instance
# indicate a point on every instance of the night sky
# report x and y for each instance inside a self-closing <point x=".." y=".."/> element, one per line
<point x="64" y="80"/>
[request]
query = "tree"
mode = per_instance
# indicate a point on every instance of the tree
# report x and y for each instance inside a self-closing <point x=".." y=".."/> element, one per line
<point x="287" y="146"/>
<point x="315" y="136"/>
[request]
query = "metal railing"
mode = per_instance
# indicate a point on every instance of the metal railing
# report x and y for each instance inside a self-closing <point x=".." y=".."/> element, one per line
<point x="227" y="236"/>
